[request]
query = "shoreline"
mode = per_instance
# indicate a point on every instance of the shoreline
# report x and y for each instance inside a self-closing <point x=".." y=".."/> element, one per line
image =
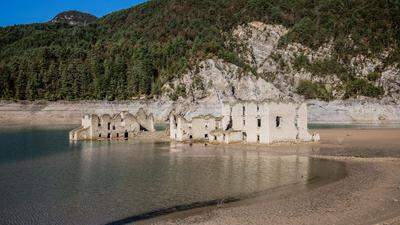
<point x="349" y="112"/>
<point x="196" y="207"/>
<point x="368" y="194"/>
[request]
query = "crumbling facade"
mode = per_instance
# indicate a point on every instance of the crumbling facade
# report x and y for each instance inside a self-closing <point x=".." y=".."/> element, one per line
<point x="247" y="121"/>
<point x="119" y="126"/>
<point x="199" y="128"/>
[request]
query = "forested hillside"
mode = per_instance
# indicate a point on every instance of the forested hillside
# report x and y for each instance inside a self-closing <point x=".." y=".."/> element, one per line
<point x="134" y="52"/>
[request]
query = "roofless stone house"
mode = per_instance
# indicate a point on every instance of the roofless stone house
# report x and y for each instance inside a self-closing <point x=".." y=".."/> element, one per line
<point x="119" y="126"/>
<point x="246" y="121"/>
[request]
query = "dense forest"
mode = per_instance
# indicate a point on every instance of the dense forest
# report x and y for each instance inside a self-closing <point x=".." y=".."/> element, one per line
<point x="133" y="52"/>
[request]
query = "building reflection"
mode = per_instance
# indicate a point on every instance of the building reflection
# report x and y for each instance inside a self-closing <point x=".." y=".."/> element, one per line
<point x="221" y="170"/>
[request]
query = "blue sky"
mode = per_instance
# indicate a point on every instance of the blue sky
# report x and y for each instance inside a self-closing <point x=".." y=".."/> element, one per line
<point x="36" y="11"/>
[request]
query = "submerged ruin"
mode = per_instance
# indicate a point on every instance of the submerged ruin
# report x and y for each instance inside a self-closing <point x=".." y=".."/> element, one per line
<point x="247" y="122"/>
<point x="123" y="125"/>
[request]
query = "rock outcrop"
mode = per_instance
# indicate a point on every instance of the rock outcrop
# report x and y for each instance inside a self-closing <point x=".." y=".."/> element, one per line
<point x="74" y="18"/>
<point x="214" y="81"/>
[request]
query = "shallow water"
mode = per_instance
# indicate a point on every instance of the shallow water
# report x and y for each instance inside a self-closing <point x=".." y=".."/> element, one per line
<point x="45" y="179"/>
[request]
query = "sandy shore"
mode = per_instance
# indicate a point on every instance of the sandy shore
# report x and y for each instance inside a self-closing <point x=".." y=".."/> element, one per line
<point x="369" y="194"/>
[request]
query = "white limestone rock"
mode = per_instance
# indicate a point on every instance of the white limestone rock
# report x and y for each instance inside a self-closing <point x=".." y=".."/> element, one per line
<point x="278" y="79"/>
<point x="353" y="112"/>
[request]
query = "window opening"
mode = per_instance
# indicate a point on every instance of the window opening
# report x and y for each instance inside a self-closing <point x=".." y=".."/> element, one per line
<point x="278" y="121"/>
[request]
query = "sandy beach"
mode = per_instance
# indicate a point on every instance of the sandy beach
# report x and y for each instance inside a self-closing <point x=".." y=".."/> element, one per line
<point x="368" y="194"/>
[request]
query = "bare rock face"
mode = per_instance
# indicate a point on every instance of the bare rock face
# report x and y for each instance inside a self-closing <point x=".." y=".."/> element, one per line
<point x="278" y="64"/>
<point x="215" y="81"/>
<point x="74" y="18"/>
<point x="262" y="40"/>
<point x="353" y="112"/>
<point x="218" y="81"/>
<point x="390" y="80"/>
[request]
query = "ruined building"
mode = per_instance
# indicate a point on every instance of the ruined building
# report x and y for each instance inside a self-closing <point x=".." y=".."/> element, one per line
<point x="247" y="121"/>
<point x="119" y="126"/>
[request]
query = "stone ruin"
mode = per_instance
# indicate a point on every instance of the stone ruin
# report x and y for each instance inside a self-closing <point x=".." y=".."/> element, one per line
<point x="120" y="126"/>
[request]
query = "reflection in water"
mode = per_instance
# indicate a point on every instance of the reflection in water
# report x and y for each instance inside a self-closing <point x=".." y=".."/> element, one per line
<point x="239" y="172"/>
<point x="98" y="182"/>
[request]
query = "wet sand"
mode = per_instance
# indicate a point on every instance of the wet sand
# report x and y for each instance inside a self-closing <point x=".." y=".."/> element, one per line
<point x="369" y="194"/>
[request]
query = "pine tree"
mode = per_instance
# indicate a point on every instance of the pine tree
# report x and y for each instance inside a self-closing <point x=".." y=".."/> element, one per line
<point x="143" y="70"/>
<point x="20" y="86"/>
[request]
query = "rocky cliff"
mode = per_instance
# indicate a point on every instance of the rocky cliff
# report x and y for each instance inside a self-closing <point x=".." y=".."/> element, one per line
<point x="278" y="77"/>
<point x="278" y="74"/>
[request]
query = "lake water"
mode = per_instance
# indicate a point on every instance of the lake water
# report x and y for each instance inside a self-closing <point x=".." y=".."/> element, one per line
<point x="45" y="179"/>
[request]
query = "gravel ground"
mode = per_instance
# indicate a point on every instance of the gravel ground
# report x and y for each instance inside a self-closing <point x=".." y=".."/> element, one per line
<point x="369" y="194"/>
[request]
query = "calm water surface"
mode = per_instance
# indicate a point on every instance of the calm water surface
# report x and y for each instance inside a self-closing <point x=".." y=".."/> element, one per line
<point x="45" y="179"/>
